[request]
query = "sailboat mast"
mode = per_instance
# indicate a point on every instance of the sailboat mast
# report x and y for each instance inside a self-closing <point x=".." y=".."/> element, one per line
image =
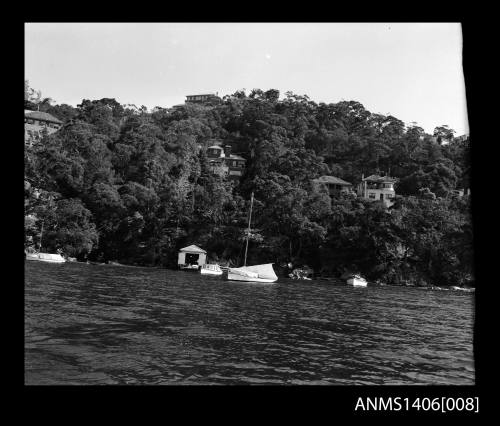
<point x="40" y="242"/>
<point x="248" y="231"/>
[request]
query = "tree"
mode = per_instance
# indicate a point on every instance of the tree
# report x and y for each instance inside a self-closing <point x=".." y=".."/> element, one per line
<point x="438" y="237"/>
<point x="63" y="112"/>
<point x="443" y="133"/>
<point x="119" y="182"/>
<point x="73" y="159"/>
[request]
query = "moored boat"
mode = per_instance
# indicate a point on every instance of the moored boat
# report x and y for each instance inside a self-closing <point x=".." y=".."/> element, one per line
<point x="46" y="257"/>
<point x="466" y="289"/>
<point x="357" y="281"/>
<point x="210" y="269"/>
<point x="257" y="273"/>
<point x="32" y="254"/>
<point x="189" y="267"/>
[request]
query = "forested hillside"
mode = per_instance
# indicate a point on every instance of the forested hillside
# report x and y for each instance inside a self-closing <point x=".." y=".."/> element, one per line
<point x="122" y="183"/>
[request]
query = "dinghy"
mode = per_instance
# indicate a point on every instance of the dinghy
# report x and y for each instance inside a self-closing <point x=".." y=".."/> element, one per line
<point x="357" y="281"/>
<point x="210" y="269"/>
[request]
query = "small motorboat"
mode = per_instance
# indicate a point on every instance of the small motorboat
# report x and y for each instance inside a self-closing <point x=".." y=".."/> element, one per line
<point x="357" y="281"/>
<point x="190" y="267"/>
<point x="466" y="289"/>
<point x="210" y="269"/>
<point x="46" y="257"/>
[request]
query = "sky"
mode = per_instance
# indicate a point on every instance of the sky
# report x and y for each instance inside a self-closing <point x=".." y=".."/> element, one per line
<point x="412" y="71"/>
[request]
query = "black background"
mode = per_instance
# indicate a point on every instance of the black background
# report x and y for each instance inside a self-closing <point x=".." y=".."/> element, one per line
<point x="262" y="404"/>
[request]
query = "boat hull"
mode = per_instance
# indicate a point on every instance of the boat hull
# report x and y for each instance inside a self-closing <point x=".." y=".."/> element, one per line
<point x="238" y="277"/>
<point x="210" y="270"/>
<point x="191" y="268"/>
<point x="356" y="282"/>
<point x="43" y="257"/>
<point x="203" y="272"/>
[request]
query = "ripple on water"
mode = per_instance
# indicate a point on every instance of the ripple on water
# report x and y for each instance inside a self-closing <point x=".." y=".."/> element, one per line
<point x="91" y="324"/>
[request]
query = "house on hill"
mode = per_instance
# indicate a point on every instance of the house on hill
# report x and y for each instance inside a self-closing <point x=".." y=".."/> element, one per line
<point x="335" y="185"/>
<point x="203" y="99"/>
<point x="200" y="99"/>
<point x="461" y="138"/>
<point x="223" y="162"/>
<point x="375" y="187"/>
<point x="35" y="122"/>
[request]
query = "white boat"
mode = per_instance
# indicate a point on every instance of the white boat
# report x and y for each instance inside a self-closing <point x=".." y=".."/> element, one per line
<point x="45" y="257"/>
<point x="210" y="269"/>
<point x="189" y="267"/>
<point x="256" y="273"/>
<point x="466" y="289"/>
<point x="357" y="281"/>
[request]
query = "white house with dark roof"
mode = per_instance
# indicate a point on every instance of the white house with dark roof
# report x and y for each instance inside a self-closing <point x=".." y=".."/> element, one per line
<point x="35" y="122"/>
<point x="378" y="188"/>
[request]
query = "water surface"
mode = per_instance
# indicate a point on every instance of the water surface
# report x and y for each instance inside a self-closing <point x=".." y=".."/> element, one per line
<point x="101" y="324"/>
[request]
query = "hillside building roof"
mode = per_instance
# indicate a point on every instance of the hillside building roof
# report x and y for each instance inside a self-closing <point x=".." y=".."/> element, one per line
<point x="43" y="116"/>
<point x="332" y="180"/>
<point x="379" y="179"/>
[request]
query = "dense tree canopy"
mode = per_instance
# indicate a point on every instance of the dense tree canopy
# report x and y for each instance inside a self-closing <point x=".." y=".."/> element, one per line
<point x="118" y="182"/>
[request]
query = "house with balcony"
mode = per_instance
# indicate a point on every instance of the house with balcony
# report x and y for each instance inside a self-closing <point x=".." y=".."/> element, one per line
<point x="224" y="163"/>
<point x="201" y="99"/>
<point x="378" y="188"/>
<point x="36" y="122"/>
<point x="335" y="185"/>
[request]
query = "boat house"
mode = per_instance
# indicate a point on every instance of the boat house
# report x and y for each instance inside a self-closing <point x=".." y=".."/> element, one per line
<point x="191" y="257"/>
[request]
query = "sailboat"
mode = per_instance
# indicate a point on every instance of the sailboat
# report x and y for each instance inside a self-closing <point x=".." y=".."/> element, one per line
<point x="256" y="273"/>
<point x="44" y="257"/>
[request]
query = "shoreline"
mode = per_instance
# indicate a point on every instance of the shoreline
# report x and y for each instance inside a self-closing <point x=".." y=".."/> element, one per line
<point x="326" y="280"/>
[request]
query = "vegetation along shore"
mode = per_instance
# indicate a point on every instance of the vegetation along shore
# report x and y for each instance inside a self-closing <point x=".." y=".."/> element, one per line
<point x="118" y="183"/>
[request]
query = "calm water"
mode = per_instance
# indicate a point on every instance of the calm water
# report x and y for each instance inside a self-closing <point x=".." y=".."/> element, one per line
<point x="92" y="324"/>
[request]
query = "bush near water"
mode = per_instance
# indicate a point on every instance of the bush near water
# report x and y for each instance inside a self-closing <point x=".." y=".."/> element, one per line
<point x="121" y="183"/>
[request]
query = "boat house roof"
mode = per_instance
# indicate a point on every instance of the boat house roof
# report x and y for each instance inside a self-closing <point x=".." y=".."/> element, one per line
<point x="192" y="249"/>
